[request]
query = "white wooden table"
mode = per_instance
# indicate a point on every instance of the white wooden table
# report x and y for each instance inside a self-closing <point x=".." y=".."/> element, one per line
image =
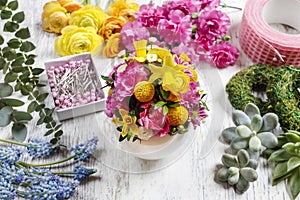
<point x="191" y="176"/>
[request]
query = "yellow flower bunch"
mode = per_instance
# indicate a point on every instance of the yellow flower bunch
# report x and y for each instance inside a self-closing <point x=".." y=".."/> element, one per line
<point x="76" y="40"/>
<point x="62" y="13"/>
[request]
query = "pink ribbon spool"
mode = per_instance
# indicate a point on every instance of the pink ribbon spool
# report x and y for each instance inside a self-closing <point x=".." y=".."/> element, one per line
<point x="262" y="43"/>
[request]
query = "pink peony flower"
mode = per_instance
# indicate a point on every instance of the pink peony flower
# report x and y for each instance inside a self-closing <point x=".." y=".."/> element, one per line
<point x="212" y="24"/>
<point x="223" y="54"/>
<point x="113" y="103"/>
<point x="133" y="31"/>
<point x="154" y="119"/>
<point x="209" y="4"/>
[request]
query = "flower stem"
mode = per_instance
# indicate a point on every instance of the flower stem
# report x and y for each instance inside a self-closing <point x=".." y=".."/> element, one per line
<point x="224" y="5"/>
<point x="13" y="142"/>
<point x="46" y="164"/>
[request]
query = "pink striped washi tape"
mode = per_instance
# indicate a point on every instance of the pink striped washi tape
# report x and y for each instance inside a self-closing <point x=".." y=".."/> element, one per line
<point x="262" y="43"/>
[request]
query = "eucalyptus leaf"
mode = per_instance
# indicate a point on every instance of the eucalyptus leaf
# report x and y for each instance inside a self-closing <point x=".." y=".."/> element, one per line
<point x="10" y="27"/>
<point x="19" y="132"/>
<point x="10" y="77"/>
<point x="294" y="183"/>
<point x="240" y="118"/>
<point x="5" y="117"/>
<point x="251" y="110"/>
<point x="40" y="121"/>
<point x="243" y="157"/>
<point x="16" y="69"/>
<point x="256" y="122"/>
<point x="21" y="116"/>
<point x="1" y="40"/>
<point x="32" y="106"/>
<point x="279" y="155"/>
<point x="239" y="143"/>
<point x="243" y="131"/>
<point x="268" y="139"/>
<point x="42" y="97"/>
<point x="270" y="121"/>
<point x="5" y="14"/>
<point x="254" y="144"/>
<point x="49" y="132"/>
<point x="3" y="3"/>
<point x="242" y="185"/>
<point x="5" y="90"/>
<point x="229" y="160"/>
<point x="19" y="18"/>
<point x="249" y="174"/>
<point x="14" y="43"/>
<point x="58" y="133"/>
<point x="37" y="71"/>
<point x="9" y="53"/>
<point x="18" y="61"/>
<point x="229" y="134"/>
<point x="13" y="5"/>
<point x="27" y="46"/>
<point x="222" y="174"/>
<point x="12" y="102"/>
<point x="2" y="61"/>
<point x="293" y="163"/>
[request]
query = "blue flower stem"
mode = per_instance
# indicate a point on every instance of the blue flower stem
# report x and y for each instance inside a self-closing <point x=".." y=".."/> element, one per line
<point x="46" y="164"/>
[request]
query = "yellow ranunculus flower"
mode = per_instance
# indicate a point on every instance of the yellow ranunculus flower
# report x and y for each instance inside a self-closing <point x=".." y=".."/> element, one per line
<point x="63" y="2"/>
<point x="112" y="48"/>
<point x="111" y="26"/>
<point x="123" y="8"/>
<point x="54" y="17"/>
<point x="76" y="40"/>
<point x="88" y="16"/>
<point x="73" y="6"/>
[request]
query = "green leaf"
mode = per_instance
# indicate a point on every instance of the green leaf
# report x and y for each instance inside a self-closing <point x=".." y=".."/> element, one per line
<point x="37" y="71"/>
<point x="239" y="143"/>
<point x="3" y="3"/>
<point x="13" y="5"/>
<point x="280" y="173"/>
<point x="6" y="14"/>
<point x="10" y="77"/>
<point x="29" y="61"/>
<point x="48" y="119"/>
<point x="14" y="43"/>
<point x="12" y="102"/>
<point x="19" y="18"/>
<point x="21" y="116"/>
<point x="229" y="134"/>
<point x="1" y="40"/>
<point x="27" y="46"/>
<point x="40" y="121"/>
<point x="294" y="183"/>
<point x="32" y="106"/>
<point x="53" y="140"/>
<point x="165" y="110"/>
<point x="18" y="61"/>
<point x="293" y="163"/>
<point x="279" y="155"/>
<point x="2" y="62"/>
<point x="10" y="27"/>
<point x="249" y="174"/>
<point x="5" y="117"/>
<point x="19" y="132"/>
<point x="49" y="132"/>
<point x="16" y="69"/>
<point x="5" y="90"/>
<point x="58" y="133"/>
<point x="42" y="97"/>
<point x="26" y="89"/>
<point x="9" y="53"/>
<point x="292" y="137"/>
<point x="58" y="127"/>
<point x="229" y="160"/>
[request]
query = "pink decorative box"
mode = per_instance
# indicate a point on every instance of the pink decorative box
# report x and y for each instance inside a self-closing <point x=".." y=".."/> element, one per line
<point x="75" y="86"/>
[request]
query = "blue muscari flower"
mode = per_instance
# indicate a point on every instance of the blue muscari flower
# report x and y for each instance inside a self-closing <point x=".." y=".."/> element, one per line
<point x="35" y="175"/>
<point x="10" y="155"/>
<point x="40" y="148"/>
<point x="82" y="172"/>
<point x="12" y="173"/>
<point x="52" y="189"/>
<point x="84" y="150"/>
<point x="7" y="190"/>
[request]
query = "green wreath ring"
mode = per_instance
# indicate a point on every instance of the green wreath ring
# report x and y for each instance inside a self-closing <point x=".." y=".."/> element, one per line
<point x="284" y="96"/>
<point x="241" y="86"/>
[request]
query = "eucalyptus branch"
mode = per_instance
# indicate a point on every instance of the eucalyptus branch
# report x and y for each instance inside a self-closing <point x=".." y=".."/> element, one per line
<point x="16" y="64"/>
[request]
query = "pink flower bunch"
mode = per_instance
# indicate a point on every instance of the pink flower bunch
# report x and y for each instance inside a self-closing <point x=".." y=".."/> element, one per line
<point x="194" y="27"/>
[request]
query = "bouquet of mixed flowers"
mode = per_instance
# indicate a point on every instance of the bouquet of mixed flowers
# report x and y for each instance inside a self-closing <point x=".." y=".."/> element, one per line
<point x="154" y="93"/>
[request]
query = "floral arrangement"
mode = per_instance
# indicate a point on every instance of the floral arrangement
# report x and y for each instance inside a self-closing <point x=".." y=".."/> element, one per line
<point x="195" y="27"/>
<point x="85" y="27"/>
<point x="154" y="93"/>
<point x="37" y="180"/>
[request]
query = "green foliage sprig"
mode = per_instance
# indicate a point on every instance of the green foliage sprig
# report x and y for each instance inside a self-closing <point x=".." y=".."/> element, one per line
<point x="16" y="62"/>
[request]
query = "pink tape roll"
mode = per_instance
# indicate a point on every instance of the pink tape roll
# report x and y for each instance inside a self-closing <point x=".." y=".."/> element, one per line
<point x="262" y="43"/>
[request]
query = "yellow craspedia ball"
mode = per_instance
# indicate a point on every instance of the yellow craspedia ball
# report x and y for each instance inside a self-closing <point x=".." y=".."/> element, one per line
<point x="144" y="91"/>
<point x="178" y="115"/>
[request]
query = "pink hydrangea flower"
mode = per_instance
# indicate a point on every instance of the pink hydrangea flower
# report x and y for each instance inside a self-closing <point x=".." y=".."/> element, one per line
<point x="223" y="54"/>
<point x="133" y="31"/>
<point x="154" y="119"/>
<point x="212" y="24"/>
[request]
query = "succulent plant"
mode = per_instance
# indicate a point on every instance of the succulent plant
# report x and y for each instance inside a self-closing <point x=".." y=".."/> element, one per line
<point x="252" y="130"/>
<point x="238" y="170"/>
<point x="287" y="160"/>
